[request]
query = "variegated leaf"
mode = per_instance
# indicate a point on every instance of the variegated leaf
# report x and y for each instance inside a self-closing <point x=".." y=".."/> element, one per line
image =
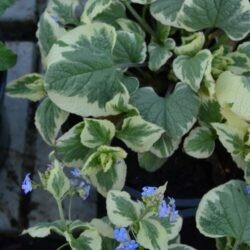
<point x="165" y="146"/>
<point x="150" y="161"/>
<point x="129" y="48"/>
<point x="175" y="113"/>
<point x="201" y="14"/>
<point x="159" y="54"/>
<point x="191" y="70"/>
<point x="180" y="247"/>
<point x="166" y="11"/>
<point x="234" y="91"/>
<point x="29" y="86"/>
<point x="63" y="11"/>
<point x="89" y="240"/>
<point x="72" y="80"/>
<point x="57" y="183"/>
<point x="97" y="132"/>
<point x="155" y="232"/>
<point x="48" y="32"/>
<point x="49" y="119"/>
<point x="138" y="134"/>
<point x="122" y="211"/>
<point x="42" y="230"/>
<point x="200" y="143"/>
<point x="93" y="8"/>
<point x="224" y="212"/>
<point x="69" y="148"/>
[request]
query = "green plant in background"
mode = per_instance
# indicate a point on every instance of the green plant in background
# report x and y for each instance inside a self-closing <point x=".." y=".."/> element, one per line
<point x="7" y="57"/>
<point x="153" y="74"/>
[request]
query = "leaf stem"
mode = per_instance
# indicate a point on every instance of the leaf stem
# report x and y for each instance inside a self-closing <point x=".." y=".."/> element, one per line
<point x="236" y="245"/>
<point x="62" y="246"/>
<point x="142" y="22"/>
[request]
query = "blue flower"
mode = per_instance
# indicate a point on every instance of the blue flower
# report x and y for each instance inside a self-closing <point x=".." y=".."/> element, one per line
<point x="148" y="191"/>
<point x="26" y="185"/>
<point x="164" y="210"/>
<point x="247" y="189"/>
<point x="85" y="189"/>
<point x="75" y="172"/>
<point x="132" y="244"/>
<point x="168" y="210"/>
<point x="121" y="234"/>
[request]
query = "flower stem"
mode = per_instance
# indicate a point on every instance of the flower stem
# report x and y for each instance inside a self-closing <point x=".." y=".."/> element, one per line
<point x="61" y="214"/>
<point x="142" y="22"/>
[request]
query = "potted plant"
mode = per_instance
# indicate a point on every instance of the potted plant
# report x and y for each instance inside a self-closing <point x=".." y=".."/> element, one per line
<point x="154" y="75"/>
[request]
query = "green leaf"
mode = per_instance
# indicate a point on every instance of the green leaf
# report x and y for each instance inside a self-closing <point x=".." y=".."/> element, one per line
<point x="69" y="148"/>
<point x="42" y="230"/>
<point x="175" y="113"/>
<point x="93" y="8"/>
<point x="29" y="86"/>
<point x="155" y="232"/>
<point x="166" y="11"/>
<point x="83" y="85"/>
<point x="201" y="14"/>
<point x="200" y="143"/>
<point x="64" y="10"/>
<point x="129" y="48"/>
<point x="106" y="169"/>
<point x="150" y="161"/>
<point x="48" y="120"/>
<point x="192" y="69"/>
<point x="231" y="138"/>
<point x="159" y="54"/>
<point x="111" y="14"/>
<point x="210" y="111"/>
<point x="48" y="32"/>
<point x="165" y="146"/>
<point x="7" y="57"/>
<point x="138" y="134"/>
<point x="104" y="227"/>
<point x="143" y="1"/>
<point x="97" y="132"/>
<point x="234" y="91"/>
<point x="122" y="211"/>
<point x="58" y="183"/>
<point x="88" y="240"/>
<point x="131" y="83"/>
<point x="4" y="4"/>
<point x="180" y="247"/>
<point x="129" y="26"/>
<point x="224" y="211"/>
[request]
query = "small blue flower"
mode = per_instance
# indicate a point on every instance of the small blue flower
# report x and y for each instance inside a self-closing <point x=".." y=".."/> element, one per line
<point x="75" y="172"/>
<point x="148" y="191"/>
<point x="164" y="210"/>
<point x="49" y="166"/>
<point x="173" y="216"/>
<point x="121" y="247"/>
<point x="129" y="245"/>
<point x="26" y="185"/>
<point x="247" y="189"/>
<point x="121" y="234"/>
<point x="85" y="190"/>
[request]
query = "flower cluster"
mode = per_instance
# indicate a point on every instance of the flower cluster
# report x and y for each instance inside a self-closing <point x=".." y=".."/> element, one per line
<point x="122" y="236"/>
<point x="168" y="210"/>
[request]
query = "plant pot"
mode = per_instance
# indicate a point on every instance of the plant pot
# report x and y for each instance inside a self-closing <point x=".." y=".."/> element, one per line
<point x="4" y="134"/>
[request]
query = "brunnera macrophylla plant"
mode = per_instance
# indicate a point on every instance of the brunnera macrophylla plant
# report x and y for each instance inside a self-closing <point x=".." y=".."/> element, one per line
<point x="155" y="74"/>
